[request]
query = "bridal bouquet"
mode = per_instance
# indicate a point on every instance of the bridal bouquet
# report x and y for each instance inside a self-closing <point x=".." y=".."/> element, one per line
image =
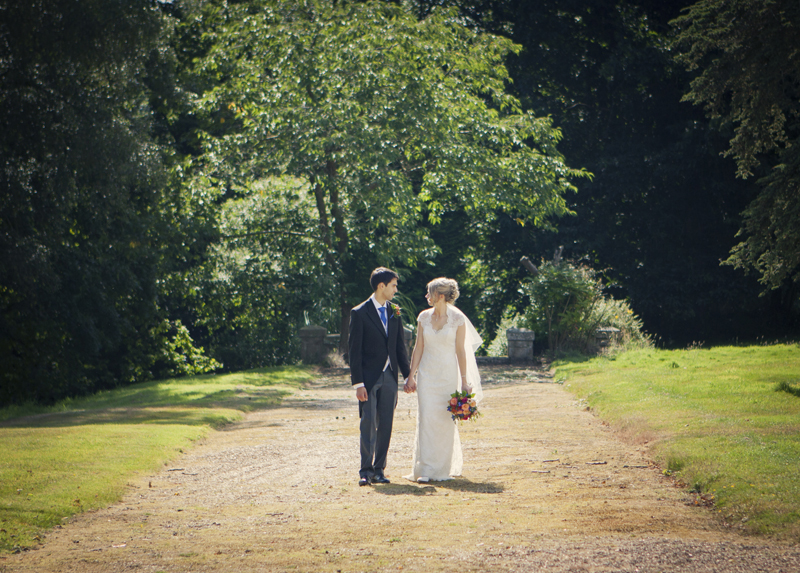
<point x="462" y="406"/>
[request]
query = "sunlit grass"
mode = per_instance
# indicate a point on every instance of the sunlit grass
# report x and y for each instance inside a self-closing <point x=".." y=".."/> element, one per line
<point x="80" y="454"/>
<point x="725" y="421"/>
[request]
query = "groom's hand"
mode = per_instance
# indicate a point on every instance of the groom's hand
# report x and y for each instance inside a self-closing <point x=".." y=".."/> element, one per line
<point x="361" y="394"/>
<point x="410" y="386"/>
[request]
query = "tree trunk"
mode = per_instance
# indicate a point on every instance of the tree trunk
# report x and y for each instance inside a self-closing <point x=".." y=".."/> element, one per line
<point x="344" y="329"/>
<point x="341" y="241"/>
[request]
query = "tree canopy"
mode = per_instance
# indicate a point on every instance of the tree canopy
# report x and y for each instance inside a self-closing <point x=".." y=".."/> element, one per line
<point x="392" y="121"/>
<point x="663" y="206"/>
<point x="185" y="183"/>
<point x="89" y="218"/>
<point x="748" y="59"/>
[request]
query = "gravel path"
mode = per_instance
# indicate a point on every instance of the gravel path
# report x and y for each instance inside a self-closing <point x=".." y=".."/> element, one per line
<point x="546" y="487"/>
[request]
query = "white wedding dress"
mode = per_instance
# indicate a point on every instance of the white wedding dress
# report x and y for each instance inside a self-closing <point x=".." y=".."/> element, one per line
<point x="437" y="451"/>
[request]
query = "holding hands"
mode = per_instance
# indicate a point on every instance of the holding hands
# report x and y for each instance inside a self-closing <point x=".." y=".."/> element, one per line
<point x="410" y="385"/>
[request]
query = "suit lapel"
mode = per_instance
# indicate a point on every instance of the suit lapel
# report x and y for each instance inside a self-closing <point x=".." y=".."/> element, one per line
<point x="391" y="328"/>
<point x="372" y="312"/>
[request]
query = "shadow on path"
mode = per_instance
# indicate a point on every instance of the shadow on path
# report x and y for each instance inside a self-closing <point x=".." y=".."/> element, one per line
<point x="457" y="484"/>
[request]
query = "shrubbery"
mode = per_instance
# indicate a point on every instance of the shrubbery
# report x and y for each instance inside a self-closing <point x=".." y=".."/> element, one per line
<point x="567" y="305"/>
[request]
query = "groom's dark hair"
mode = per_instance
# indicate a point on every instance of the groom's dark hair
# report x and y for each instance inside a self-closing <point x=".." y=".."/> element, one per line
<point x="381" y="275"/>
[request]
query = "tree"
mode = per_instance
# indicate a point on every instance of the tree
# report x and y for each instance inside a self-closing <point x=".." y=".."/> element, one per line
<point x="258" y="281"/>
<point x="393" y="122"/>
<point x="662" y="207"/>
<point x="746" y="56"/>
<point x="87" y="210"/>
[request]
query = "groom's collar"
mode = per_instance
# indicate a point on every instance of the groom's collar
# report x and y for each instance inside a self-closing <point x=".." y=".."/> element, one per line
<point x="376" y="303"/>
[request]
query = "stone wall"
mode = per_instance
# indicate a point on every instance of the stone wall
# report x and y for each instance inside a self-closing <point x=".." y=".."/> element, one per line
<point x="316" y="344"/>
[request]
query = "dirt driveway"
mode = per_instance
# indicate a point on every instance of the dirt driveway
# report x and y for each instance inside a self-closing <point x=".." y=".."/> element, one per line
<point x="546" y="487"/>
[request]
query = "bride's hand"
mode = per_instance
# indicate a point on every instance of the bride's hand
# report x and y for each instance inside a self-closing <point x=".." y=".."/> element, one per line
<point x="466" y="388"/>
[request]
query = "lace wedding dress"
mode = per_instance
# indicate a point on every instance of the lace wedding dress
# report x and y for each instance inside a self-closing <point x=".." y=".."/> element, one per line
<point x="437" y="451"/>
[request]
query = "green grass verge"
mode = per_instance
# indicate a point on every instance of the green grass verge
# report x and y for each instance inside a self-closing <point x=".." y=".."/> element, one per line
<point x="725" y="421"/>
<point x="81" y="453"/>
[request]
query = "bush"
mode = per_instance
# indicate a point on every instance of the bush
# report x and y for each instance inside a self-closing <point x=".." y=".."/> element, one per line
<point x="618" y="313"/>
<point x="568" y="306"/>
<point x="499" y="345"/>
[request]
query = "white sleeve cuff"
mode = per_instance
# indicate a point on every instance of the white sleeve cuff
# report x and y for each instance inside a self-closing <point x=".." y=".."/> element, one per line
<point x="356" y="386"/>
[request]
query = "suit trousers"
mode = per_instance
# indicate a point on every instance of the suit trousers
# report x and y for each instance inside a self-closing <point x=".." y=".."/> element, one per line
<point x="377" y="416"/>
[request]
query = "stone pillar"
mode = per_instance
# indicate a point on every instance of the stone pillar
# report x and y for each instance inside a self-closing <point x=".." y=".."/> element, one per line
<point x="312" y="344"/>
<point x="606" y="335"/>
<point x="520" y="344"/>
<point x="332" y="343"/>
<point x="408" y="337"/>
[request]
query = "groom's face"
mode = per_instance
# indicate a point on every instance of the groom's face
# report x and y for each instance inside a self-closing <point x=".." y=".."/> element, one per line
<point x="390" y="290"/>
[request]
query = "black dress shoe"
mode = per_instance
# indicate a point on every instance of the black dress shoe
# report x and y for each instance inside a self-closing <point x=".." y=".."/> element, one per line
<point x="364" y="481"/>
<point x="380" y="479"/>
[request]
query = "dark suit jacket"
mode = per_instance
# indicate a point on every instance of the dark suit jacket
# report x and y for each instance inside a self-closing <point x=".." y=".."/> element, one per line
<point x="369" y="345"/>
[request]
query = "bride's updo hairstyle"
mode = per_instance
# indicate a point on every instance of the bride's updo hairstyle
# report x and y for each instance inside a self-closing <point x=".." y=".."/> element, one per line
<point x="445" y="286"/>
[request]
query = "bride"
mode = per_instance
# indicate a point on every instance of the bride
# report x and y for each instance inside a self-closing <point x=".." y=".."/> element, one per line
<point x="442" y="362"/>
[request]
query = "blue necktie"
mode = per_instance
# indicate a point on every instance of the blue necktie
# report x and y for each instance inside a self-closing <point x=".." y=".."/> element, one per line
<point x="382" y="310"/>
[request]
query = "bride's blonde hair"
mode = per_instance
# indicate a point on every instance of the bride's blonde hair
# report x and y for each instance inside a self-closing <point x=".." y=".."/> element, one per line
<point x="445" y="286"/>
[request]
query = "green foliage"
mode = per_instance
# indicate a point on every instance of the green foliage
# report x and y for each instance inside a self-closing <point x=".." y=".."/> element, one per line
<point x="89" y="222"/>
<point x="713" y="419"/>
<point x="619" y="314"/>
<point x="260" y="278"/>
<point x="568" y="305"/>
<point x="188" y="175"/>
<point x="563" y="299"/>
<point x="744" y="51"/>
<point x="409" y="310"/>
<point x="178" y="353"/>
<point x="499" y="345"/>
<point x="662" y="208"/>
<point x="772" y="244"/>
<point x="391" y="121"/>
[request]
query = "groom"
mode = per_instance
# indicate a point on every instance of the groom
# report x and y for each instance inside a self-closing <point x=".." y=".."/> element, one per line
<point x="377" y="353"/>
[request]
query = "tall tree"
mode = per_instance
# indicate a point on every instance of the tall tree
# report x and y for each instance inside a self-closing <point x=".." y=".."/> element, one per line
<point x="392" y="122"/>
<point x="663" y="207"/>
<point x="85" y="206"/>
<point x="747" y="53"/>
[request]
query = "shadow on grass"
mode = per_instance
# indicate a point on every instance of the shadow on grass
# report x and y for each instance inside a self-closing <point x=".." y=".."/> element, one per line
<point x="457" y="484"/>
<point x="246" y="390"/>
<point x="202" y="411"/>
<point x="177" y="416"/>
<point x="788" y="387"/>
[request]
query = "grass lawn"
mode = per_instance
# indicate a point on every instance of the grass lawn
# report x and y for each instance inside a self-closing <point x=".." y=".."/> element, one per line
<point x="726" y="421"/>
<point x="81" y="453"/>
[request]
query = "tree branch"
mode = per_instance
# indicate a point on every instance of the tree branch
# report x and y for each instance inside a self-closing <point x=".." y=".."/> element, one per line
<point x="256" y="233"/>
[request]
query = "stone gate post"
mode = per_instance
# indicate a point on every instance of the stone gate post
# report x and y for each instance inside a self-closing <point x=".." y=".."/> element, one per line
<point x="312" y="344"/>
<point x="520" y="344"/>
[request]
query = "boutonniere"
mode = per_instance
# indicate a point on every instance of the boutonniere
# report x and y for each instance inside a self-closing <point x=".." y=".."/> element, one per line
<point x="395" y="309"/>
